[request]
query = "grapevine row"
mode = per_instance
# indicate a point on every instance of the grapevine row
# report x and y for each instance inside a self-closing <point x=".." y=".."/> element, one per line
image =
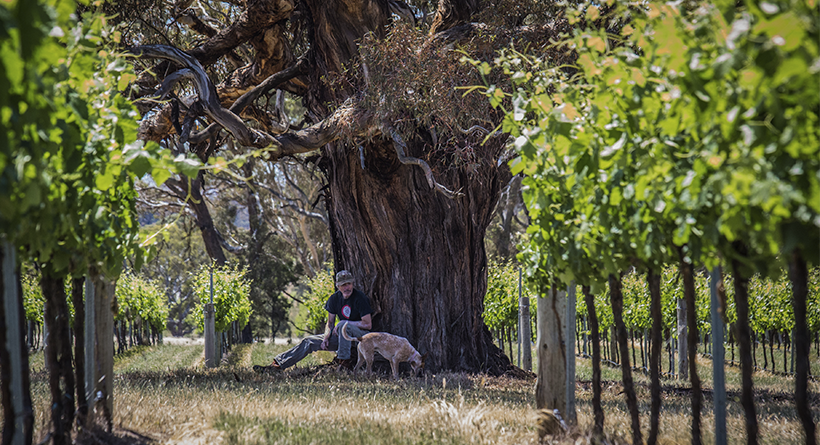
<point x="683" y="136"/>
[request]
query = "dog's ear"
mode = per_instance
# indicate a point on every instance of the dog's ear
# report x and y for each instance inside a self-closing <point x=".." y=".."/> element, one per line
<point x="424" y="357"/>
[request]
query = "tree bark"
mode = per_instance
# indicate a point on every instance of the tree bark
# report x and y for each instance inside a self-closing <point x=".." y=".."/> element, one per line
<point x="513" y="198"/>
<point x="617" y="299"/>
<point x="687" y="270"/>
<point x="79" y="347"/>
<point x="595" y="337"/>
<point x="654" y="280"/>
<point x="398" y="237"/>
<point x="58" y="357"/>
<point x="744" y="336"/>
<point x="451" y="13"/>
<point x="798" y="273"/>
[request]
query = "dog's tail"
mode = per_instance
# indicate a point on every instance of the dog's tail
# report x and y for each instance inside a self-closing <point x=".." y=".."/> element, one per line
<point x="347" y="337"/>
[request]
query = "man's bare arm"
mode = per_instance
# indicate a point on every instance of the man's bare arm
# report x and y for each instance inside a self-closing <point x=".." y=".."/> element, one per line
<point x="329" y="328"/>
<point x="366" y="323"/>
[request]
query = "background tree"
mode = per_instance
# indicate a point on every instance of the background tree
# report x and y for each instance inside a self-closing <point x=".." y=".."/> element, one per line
<point x="179" y="251"/>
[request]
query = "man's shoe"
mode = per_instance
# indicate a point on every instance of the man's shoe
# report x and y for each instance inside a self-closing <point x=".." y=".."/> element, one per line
<point x="345" y="364"/>
<point x="267" y="369"/>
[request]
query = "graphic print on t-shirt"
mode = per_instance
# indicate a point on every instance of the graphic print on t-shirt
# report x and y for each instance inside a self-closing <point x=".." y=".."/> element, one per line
<point x="346" y="311"/>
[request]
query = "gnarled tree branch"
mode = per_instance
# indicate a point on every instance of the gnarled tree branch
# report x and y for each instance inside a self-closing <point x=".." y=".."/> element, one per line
<point x="207" y="94"/>
<point x="301" y="141"/>
<point x="250" y="97"/>
<point x="399" y="145"/>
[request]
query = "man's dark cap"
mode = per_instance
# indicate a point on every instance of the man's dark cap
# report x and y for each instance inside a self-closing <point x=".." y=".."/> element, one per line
<point x="343" y="277"/>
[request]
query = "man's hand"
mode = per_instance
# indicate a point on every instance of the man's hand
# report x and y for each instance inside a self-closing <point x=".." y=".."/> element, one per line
<point x="330" y="327"/>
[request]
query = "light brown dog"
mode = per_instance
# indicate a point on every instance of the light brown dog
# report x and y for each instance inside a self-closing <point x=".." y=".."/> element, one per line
<point x="392" y="347"/>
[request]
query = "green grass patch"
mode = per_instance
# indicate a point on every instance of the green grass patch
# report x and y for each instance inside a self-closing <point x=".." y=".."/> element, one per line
<point x="157" y="358"/>
<point x="36" y="361"/>
<point x="241" y="430"/>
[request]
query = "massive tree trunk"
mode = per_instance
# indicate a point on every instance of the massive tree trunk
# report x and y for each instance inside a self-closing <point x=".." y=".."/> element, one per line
<point x="418" y="254"/>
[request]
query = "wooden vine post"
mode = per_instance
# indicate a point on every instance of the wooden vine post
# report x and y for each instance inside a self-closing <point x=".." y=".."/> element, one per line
<point x="101" y="338"/>
<point x="569" y="335"/>
<point x="683" y="346"/>
<point x="718" y="372"/>
<point x="524" y="330"/>
<point x="550" y="386"/>
<point x="18" y="416"/>
<point x="211" y="351"/>
<point x="90" y="350"/>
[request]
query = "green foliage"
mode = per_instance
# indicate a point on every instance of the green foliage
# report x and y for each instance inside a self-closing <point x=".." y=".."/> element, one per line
<point x="501" y="299"/>
<point x="141" y="301"/>
<point x="813" y="303"/>
<point x="231" y="291"/>
<point x="636" y="313"/>
<point x="690" y="129"/>
<point x="320" y="288"/>
<point x="33" y="300"/>
<point x="68" y="149"/>
<point x="770" y="302"/>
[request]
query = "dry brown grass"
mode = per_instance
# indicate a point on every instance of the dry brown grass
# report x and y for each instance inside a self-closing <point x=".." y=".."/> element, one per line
<point x="313" y="403"/>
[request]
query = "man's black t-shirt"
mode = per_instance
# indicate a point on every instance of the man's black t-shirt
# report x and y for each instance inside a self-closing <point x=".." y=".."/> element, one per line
<point x="353" y="309"/>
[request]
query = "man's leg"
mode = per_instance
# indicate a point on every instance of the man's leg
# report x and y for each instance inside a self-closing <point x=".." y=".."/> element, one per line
<point x="300" y="351"/>
<point x="343" y="351"/>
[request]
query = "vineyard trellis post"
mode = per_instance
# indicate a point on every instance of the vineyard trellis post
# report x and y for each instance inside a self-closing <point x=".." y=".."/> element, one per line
<point x="569" y="323"/>
<point x="791" y="352"/>
<point x="18" y="414"/>
<point x="718" y="377"/>
<point x="550" y="385"/>
<point x="103" y="350"/>
<point x="683" y="363"/>
<point x="78" y="326"/>
<point x="90" y="338"/>
<point x="524" y="332"/>
<point x="210" y="328"/>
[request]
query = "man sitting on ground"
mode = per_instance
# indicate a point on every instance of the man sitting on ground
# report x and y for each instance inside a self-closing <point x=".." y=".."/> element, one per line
<point x="352" y="307"/>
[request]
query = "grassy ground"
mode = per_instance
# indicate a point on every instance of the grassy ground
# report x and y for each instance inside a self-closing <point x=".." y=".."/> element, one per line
<point x="165" y="393"/>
